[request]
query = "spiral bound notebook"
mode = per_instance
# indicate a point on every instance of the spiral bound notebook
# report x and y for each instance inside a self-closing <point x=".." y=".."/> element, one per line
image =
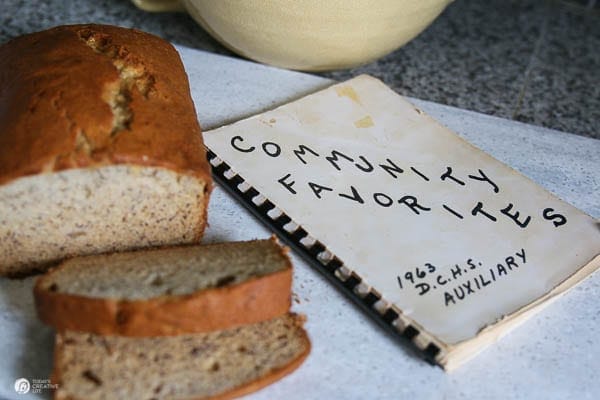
<point x="438" y="241"/>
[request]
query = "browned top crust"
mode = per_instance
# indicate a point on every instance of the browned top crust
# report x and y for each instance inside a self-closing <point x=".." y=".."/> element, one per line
<point x="93" y="95"/>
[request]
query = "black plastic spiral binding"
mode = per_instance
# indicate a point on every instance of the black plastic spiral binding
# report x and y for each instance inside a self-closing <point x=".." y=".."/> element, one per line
<point x="316" y="255"/>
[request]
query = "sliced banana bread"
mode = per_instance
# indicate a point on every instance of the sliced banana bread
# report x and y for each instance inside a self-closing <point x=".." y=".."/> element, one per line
<point x="100" y="147"/>
<point x="168" y="291"/>
<point x="221" y="364"/>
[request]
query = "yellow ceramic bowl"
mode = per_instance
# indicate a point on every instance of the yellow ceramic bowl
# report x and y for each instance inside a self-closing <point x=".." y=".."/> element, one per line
<point x="310" y="35"/>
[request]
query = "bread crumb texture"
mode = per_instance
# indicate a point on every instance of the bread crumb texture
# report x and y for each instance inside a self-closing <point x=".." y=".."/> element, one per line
<point x="171" y="271"/>
<point x="181" y="367"/>
<point x="44" y="218"/>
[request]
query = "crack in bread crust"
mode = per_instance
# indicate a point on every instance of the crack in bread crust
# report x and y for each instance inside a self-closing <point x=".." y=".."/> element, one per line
<point x="132" y="74"/>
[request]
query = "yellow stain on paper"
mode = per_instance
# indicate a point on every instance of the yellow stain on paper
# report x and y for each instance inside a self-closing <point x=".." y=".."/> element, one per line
<point x="347" y="91"/>
<point x="269" y="123"/>
<point x="365" y="122"/>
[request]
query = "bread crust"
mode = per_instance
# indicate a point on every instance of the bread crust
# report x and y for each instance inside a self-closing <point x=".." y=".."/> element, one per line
<point x="55" y="97"/>
<point x="268" y="379"/>
<point x="257" y="299"/>
<point x="252" y="301"/>
<point x="250" y="387"/>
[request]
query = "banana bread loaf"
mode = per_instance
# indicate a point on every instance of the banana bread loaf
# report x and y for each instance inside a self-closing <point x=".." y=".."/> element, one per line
<point x="100" y="147"/>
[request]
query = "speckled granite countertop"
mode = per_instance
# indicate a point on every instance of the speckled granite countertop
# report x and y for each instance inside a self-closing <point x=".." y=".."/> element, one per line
<point x="535" y="61"/>
<point x="553" y="356"/>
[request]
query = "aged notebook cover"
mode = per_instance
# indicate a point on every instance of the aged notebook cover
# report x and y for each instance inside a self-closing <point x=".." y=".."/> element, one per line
<point x="444" y="244"/>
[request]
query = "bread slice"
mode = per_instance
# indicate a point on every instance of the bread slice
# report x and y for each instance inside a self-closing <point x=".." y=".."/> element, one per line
<point x="222" y="364"/>
<point x="100" y="147"/>
<point x="168" y="291"/>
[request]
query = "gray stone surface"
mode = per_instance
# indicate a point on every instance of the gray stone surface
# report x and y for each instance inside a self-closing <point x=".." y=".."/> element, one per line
<point x="563" y="83"/>
<point x="554" y="355"/>
<point x="18" y="17"/>
<point x="474" y="57"/>
<point x="532" y="60"/>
